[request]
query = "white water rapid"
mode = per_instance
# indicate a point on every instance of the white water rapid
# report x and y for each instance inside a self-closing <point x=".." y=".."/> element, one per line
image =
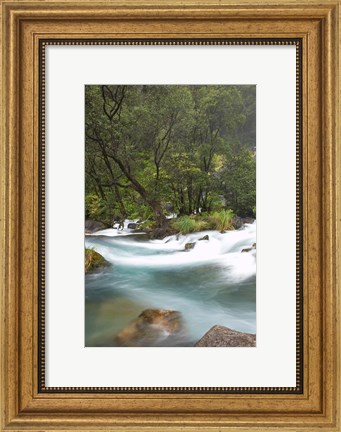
<point x="212" y="283"/>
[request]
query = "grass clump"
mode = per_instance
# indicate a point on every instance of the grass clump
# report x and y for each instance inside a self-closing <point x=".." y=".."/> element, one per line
<point x="184" y="224"/>
<point x="201" y="225"/>
<point x="93" y="260"/>
<point x="189" y="224"/>
<point x="222" y="220"/>
<point x="219" y="220"/>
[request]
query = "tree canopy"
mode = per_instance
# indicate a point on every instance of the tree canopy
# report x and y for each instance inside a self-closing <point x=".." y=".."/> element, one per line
<point x="155" y="149"/>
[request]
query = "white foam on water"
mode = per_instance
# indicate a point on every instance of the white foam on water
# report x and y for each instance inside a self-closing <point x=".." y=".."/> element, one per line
<point x="117" y="229"/>
<point x="221" y="248"/>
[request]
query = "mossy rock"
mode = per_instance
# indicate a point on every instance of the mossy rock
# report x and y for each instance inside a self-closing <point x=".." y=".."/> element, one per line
<point x="94" y="261"/>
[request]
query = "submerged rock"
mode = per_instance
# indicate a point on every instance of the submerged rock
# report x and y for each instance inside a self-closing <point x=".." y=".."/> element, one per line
<point x="220" y="336"/>
<point x="94" y="261"/>
<point x="250" y="248"/>
<point x="206" y="237"/>
<point x="189" y="246"/>
<point x="151" y="326"/>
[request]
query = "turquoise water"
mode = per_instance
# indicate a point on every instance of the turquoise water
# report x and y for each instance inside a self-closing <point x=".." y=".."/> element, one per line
<point x="214" y="283"/>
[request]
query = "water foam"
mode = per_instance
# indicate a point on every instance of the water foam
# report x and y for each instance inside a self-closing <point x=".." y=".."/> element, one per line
<point x="221" y="248"/>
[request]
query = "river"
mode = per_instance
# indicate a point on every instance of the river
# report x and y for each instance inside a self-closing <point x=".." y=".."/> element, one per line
<point x="213" y="283"/>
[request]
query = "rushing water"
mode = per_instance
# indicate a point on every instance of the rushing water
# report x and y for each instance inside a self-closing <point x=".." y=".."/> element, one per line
<point x="214" y="283"/>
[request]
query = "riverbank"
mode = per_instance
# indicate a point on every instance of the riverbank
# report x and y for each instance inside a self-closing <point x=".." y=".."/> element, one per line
<point x="181" y="225"/>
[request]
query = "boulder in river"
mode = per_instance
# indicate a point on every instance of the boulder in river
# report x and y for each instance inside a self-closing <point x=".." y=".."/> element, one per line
<point x="206" y="237"/>
<point x="161" y="233"/>
<point x="189" y="246"/>
<point x="250" y="248"/>
<point x="220" y="336"/>
<point x="237" y="221"/>
<point x="150" y="326"/>
<point x="91" y="226"/>
<point x="94" y="261"/>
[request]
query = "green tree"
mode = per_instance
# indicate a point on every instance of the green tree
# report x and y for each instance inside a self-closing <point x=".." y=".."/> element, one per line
<point x="149" y="148"/>
<point x="239" y="182"/>
<point x="132" y="128"/>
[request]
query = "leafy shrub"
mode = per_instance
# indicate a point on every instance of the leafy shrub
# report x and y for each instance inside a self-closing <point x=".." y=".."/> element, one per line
<point x="97" y="208"/>
<point x="149" y="224"/>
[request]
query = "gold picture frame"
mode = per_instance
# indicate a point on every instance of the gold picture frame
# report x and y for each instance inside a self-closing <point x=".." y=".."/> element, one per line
<point x="27" y="26"/>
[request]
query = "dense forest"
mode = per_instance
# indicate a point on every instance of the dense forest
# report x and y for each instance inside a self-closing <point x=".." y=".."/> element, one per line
<point x="154" y="150"/>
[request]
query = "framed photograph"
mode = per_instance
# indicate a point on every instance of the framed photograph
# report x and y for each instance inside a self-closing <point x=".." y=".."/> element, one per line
<point x="170" y="235"/>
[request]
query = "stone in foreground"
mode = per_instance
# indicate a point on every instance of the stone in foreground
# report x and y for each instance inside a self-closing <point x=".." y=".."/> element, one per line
<point x="219" y="336"/>
<point x="152" y="327"/>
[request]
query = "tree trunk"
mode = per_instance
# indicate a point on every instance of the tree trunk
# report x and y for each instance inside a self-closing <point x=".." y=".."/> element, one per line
<point x="204" y="201"/>
<point x="123" y="211"/>
<point x="155" y="205"/>
<point x="199" y="200"/>
<point x="160" y="218"/>
<point x="190" y="196"/>
<point x="182" y="209"/>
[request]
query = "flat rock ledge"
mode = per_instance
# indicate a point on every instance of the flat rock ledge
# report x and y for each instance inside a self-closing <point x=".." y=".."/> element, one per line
<point x="91" y="226"/>
<point x="220" y="336"/>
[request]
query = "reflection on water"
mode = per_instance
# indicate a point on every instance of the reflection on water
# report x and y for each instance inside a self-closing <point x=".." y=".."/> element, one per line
<point x="214" y="283"/>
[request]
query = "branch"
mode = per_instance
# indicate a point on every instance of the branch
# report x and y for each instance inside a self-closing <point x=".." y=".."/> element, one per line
<point x="116" y="98"/>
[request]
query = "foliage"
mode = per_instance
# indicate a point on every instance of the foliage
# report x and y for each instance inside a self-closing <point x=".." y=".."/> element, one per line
<point x="222" y="220"/>
<point x="147" y="224"/>
<point x="219" y="220"/>
<point x="184" y="224"/>
<point x="188" y="224"/>
<point x="201" y="225"/>
<point x="97" y="208"/>
<point x="187" y="147"/>
<point x="239" y="182"/>
<point x="93" y="260"/>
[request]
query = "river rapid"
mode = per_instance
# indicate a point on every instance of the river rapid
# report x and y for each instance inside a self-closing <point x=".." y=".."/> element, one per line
<point x="213" y="283"/>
